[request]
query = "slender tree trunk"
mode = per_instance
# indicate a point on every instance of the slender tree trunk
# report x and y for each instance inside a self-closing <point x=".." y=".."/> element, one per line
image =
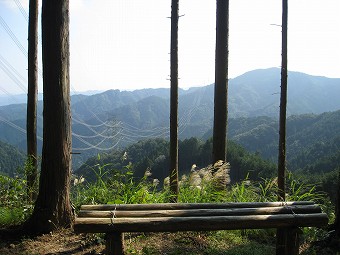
<point x="283" y="105"/>
<point x="221" y="81"/>
<point x="337" y="208"/>
<point x="52" y="208"/>
<point x="32" y="154"/>
<point x="281" y="235"/>
<point x="174" y="102"/>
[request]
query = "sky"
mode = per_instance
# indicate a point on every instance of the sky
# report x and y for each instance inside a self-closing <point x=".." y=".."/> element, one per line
<point x="125" y="44"/>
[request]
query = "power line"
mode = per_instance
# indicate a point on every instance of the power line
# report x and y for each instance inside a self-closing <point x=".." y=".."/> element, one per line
<point x="22" y="10"/>
<point x="13" y="37"/>
<point x="13" y="69"/>
<point x="12" y="76"/>
<point x="16" y="127"/>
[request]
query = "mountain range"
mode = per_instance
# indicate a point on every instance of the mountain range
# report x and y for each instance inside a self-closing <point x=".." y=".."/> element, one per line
<point x="116" y="118"/>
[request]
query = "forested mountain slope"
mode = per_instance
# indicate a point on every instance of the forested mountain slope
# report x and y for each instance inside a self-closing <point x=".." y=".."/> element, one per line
<point x="153" y="155"/>
<point x="118" y="118"/>
<point x="10" y="159"/>
<point x="309" y="136"/>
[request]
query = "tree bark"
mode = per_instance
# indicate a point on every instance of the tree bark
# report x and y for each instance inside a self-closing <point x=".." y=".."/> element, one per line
<point x="337" y="208"/>
<point x="174" y="102"/>
<point x="52" y="208"/>
<point x="31" y="125"/>
<point x="280" y="241"/>
<point x="221" y="81"/>
<point x="283" y="105"/>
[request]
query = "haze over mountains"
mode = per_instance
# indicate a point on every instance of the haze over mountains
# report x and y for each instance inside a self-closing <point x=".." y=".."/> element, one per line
<point x="117" y="118"/>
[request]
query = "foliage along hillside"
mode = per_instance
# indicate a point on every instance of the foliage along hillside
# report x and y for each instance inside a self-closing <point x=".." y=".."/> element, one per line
<point x="309" y="136"/>
<point x="153" y="155"/>
<point x="252" y="94"/>
<point x="10" y="159"/>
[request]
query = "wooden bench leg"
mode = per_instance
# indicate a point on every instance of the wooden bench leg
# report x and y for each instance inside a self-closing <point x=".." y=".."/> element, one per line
<point x="287" y="241"/>
<point x="281" y="241"/>
<point x="114" y="244"/>
<point x="293" y="241"/>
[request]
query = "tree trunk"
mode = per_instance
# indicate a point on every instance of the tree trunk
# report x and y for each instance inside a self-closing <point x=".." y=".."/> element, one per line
<point x="31" y="125"/>
<point x="174" y="102"/>
<point x="221" y="81"/>
<point x="337" y="208"/>
<point x="283" y="105"/>
<point x="52" y="208"/>
<point x="281" y="242"/>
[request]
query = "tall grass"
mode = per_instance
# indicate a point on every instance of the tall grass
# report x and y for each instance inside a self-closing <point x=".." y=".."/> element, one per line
<point x="14" y="205"/>
<point x="114" y="186"/>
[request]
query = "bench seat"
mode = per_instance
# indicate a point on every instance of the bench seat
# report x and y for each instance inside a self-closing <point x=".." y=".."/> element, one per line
<point x="114" y="220"/>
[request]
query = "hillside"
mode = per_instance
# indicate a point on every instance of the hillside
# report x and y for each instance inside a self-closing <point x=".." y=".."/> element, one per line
<point x="153" y="155"/>
<point x="314" y="134"/>
<point x="10" y="159"/>
<point x="115" y="119"/>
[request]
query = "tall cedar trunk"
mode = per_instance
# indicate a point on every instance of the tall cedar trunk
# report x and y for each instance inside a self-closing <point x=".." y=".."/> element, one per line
<point x="281" y="235"/>
<point x="337" y="219"/>
<point x="221" y="81"/>
<point x="174" y="102"/>
<point x="52" y="208"/>
<point x="31" y="124"/>
<point x="283" y="105"/>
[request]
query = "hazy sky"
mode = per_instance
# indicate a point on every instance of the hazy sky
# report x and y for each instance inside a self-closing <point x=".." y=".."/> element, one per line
<point x="125" y="44"/>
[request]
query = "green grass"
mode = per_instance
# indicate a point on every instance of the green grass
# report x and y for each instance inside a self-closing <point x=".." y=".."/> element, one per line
<point x="120" y="186"/>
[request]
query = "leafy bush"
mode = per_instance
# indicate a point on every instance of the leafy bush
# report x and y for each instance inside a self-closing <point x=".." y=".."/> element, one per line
<point x="14" y="207"/>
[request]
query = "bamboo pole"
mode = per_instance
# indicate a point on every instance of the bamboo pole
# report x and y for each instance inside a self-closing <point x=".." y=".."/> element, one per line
<point x="201" y="212"/>
<point x="174" y="224"/>
<point x="173" y="206"/>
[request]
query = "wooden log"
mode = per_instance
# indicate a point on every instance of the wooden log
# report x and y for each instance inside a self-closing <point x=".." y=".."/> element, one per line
<point x="281" y="241"/>
<point x="293" y="241"/>
<point x="174" y="206"/>
<point x="173" y="224"/>
<point x="297" y="209"/>
<point x="114" y="243"/>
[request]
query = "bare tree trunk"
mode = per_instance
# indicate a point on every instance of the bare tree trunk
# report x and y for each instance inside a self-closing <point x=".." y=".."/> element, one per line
<point x="283" y="106"/>
<point x="281" y="236"/>
<point x="32" y="154"/>
<point x="52" y="208"/>
<point x="337" y="208"/>
<point x="221" y="81"/>
<point x="174" y="102"/>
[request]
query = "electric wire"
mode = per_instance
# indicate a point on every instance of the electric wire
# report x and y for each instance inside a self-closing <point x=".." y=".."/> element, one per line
<point x="12" y="76"/>
<point x="13" y="37"/>
<point x="17" y="127"/>
<point x="22" y="78"/>
<point x="22" y="10"/>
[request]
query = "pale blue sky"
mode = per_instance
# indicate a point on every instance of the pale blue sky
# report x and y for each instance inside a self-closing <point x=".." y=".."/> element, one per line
<point x="124" y="44"/>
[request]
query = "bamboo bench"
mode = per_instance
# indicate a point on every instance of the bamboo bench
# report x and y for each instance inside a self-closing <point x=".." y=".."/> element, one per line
<point x="114" y="220"/>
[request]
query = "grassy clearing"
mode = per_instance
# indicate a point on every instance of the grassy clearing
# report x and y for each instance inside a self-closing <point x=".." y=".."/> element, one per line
<point x="119" y="186"/>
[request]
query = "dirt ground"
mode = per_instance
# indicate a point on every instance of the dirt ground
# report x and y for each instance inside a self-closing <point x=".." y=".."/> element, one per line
<point x="57" y="243"/>
<point x="65" y="242"/>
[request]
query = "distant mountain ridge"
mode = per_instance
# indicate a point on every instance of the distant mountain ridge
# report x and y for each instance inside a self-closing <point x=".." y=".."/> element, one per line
<point x="123" y="117"/>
